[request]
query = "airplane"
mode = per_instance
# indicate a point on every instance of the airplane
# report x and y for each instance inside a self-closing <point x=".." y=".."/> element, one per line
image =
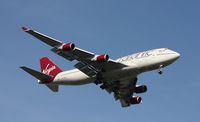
<point x="115" y="76"/>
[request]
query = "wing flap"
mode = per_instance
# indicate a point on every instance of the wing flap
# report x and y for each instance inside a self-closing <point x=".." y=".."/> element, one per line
<point x="76" y="54"/>
<point x="124" y="103"/>
<point x="92" y="68"/>
<point x="65" y="55"/>
<point x="86" y="68"/>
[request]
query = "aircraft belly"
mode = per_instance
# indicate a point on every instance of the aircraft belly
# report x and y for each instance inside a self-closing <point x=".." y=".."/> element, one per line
<point x="153" y="63"/>
<point x="75" y="78"/>
<point x="122" y="73"/>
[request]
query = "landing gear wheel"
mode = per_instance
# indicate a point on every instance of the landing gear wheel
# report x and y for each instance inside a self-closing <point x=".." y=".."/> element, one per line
<point x="116" y="96"/>
<point x="97" y="82"/>
<point x="160" y="72"/>
<point x="136" y="79"/>
<point x="103" y="86"/>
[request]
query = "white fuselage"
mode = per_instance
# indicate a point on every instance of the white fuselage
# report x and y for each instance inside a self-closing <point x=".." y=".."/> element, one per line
<point x="136" y="64"/>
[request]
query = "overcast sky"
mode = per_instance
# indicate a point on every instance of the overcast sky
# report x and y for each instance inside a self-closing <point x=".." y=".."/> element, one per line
<point x="115" y="27"/>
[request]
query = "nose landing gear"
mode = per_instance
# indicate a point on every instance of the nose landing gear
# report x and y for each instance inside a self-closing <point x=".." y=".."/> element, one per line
<point x="160" y="70"/>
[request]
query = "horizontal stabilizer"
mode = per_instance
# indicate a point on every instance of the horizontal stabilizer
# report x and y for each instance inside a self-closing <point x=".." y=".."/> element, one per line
<point x="53" y="87"/>
<point x="40" y="76"/>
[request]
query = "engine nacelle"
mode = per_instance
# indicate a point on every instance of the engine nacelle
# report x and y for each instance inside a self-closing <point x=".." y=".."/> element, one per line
<point x="102" y="58"/>
<point x="135" y="100"/>
<point x="140" y="89"/>
<point x="67" y="47"/>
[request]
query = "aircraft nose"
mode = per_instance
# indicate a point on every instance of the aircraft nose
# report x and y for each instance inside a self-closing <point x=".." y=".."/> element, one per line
<point x="177" y="55"/>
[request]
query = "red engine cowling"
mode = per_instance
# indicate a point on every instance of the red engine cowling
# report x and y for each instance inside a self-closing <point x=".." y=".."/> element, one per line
<point x="68" y="47"/>
<point x="102" y="58"/>
<point x="140" y="89"/>
<point x="135" y="100"/>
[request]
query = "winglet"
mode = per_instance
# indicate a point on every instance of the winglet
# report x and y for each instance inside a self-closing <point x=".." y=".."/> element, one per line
<point x="25" y="29"/>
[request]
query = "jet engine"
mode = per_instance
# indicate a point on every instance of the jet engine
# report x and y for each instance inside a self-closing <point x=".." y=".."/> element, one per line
<point x="102" y="58"/>
<point x="135" y="100"/>
<point x="140" y="89"/>
<point x="68" y="47"/>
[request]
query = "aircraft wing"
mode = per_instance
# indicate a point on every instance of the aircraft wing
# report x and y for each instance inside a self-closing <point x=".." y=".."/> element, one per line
<point x="46" y="39"/>
<point x="125" y="96"/>
<point x="125" y="92"/>
<point x="87" y="63"/>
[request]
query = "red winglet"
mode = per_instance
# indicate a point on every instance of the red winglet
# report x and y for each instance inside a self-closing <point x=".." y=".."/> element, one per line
<point x="25" y="29"/>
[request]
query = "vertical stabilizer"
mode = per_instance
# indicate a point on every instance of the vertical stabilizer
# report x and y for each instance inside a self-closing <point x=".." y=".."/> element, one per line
<point x="48" y="67"/>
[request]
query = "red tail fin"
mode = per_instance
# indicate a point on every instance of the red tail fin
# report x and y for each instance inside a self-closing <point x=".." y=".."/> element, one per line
<point x="48" y="67"/>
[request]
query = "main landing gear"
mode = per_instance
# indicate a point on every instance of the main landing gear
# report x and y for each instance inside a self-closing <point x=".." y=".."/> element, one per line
<point x="103" y="86"/>
<point x="97" y="82"/>
<point x="98" y="78"/>
<point x="111" y="86"/>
